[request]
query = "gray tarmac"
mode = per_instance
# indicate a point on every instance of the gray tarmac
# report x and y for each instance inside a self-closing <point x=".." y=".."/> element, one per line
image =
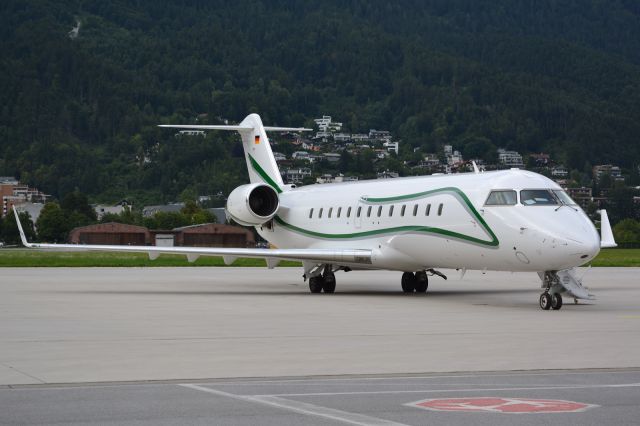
<point x="116" y="346"/>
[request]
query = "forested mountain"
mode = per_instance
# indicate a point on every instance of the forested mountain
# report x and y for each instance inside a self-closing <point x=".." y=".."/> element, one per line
<point x="79" y="109"/>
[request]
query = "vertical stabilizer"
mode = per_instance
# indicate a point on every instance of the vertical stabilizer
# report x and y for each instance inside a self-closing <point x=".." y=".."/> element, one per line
<point x="257" y="151"/>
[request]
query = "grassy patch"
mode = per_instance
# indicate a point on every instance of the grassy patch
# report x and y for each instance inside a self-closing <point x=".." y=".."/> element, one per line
<point x="35" y="258"/>
<point x="617" y="257"/>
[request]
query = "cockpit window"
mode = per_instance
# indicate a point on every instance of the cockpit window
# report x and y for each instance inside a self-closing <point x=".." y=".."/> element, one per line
<point x="564" y="197"/>
<point x="538" y="197"/>
<point x="503" y="197"/>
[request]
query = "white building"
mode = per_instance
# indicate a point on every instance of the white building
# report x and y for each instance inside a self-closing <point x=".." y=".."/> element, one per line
<point x="510" y="158"/>
<point x="559" y="172"/>
<point x="342" y="137"/>
<point x="296" y="176"/>
<point x="300" y="155"/>
<point x="392" y="146"/>
<point x="278" y="156"/>
<point x="607" y="169"/>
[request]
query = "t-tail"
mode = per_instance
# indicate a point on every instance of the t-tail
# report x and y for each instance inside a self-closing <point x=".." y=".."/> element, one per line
<point x="257" y="149"/>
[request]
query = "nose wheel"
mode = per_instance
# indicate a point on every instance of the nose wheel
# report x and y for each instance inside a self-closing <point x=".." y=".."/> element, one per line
<point x="550" y="301"/>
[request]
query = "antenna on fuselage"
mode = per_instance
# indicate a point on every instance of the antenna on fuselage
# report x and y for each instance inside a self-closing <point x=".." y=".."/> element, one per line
<point x="476" y="170"/>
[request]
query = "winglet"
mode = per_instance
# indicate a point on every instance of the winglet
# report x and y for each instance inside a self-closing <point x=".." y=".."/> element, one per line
<point x="476" y="170"/>
<point x="22" y="236"/>
<point x="606" y="234"/>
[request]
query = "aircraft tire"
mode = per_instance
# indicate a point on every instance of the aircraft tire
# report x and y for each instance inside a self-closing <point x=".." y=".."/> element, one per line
<point x="422" y="282"/>
<point x="556" y="301"/>
<point x="329" y="283"/>
<point x="545" y="301"/>
<point x="408" y="282"/>
<point x="315" y="284"/>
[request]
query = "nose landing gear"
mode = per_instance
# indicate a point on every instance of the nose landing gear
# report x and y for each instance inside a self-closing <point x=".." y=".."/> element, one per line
<point x="550" y="301"/>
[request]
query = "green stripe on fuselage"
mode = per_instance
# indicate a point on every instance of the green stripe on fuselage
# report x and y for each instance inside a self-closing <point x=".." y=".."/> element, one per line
<point x="409" y="228"/>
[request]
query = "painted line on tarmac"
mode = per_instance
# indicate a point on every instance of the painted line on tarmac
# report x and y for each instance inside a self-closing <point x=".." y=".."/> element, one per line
<point x="307" y="379"/>
<point x="300" y="407"/>
<point x="393" y="392"/>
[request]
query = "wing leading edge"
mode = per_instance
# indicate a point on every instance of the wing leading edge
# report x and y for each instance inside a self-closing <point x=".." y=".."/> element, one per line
<point x="229" y="255"/>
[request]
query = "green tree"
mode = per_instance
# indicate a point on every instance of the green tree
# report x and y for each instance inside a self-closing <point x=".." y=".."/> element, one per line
<point x="9" y="228"/>
<point x="53" y="224"/>
<point x="627" y="231"/>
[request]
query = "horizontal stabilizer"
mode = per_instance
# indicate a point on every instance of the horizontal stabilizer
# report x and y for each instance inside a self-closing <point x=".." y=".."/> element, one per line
<point x="233" y="127"/>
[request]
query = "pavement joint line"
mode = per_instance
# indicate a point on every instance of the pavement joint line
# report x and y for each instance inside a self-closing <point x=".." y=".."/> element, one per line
<point x="393" y="392"/>
<point x="246" y="381"/>
<point x="423" y="377"/>
<point x="23" y="373"/>
<point x="300" y="407"/>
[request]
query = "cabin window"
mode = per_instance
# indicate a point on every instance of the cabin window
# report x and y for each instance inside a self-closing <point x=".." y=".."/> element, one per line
<point x="503" y="197"/>
<point x="440" y="209"/>
<point x="310" y="213"/>
<point x="426" y="213"/>
<point x="339" y="211"/>
<point x="369" y="212"/>
<point x="391" y="211"/>
<point x="538" y="197"/>
<point x="349" y="212"/>
<point x="379" y="211"/>
<point x="415" y="209"/>
<point x="359" y="211"/>
<point x="320" y="214"/>
<point x="404" y="207"/>
<point x="330" y="211"/>
<point x="564" y="197"/>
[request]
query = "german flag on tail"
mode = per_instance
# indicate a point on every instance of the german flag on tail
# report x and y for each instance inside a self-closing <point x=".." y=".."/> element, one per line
<point x="257" y="139"/>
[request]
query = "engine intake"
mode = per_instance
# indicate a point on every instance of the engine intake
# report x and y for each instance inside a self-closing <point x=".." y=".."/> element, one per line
<point x="253" y="204"/>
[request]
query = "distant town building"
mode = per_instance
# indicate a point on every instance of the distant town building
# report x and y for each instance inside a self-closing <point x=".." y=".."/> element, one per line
<point x="559" y="172"/>
<point x="359" y="137"/>
<point x="326" y="127"/>
<point x="607" y="169"/>
<point x="12" y="192"/>
<point x="190" y="133"/>
<point x="300" y="155"/>
<point x="392" y="146"/>
<point x="387" y="175"/>
<point x="332" y="157"/>
<point x="149" y="211"/>
<point x="295" y="176"/>
<point x="278" y="156"/>
<point x="541" y="159"/>
<point x="102" y="209"/>
<point x="379" y="135"/>
<point x="510" y="158"/>
<point x="342" y="137"/>
<point x="327" y="178"/>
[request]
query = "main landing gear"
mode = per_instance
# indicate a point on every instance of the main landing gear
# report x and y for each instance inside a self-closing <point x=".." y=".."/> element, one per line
<point x="418" y="282"/>
<point x="326" y="281"/>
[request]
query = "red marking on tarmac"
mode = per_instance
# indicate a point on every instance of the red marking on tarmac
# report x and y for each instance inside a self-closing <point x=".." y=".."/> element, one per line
<point x="502" y="405"/>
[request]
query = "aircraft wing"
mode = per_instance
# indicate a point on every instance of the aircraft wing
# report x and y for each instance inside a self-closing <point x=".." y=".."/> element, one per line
<point x="229" y="255"/>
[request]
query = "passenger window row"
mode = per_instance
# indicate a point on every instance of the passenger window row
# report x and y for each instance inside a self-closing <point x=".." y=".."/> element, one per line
<point x="379" y="211"/>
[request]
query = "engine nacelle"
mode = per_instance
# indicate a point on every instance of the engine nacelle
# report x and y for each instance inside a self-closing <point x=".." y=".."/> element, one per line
<point x="253" y="204"/>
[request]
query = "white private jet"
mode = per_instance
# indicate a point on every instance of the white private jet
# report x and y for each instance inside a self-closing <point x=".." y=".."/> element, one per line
<point x="510" y="220"/>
